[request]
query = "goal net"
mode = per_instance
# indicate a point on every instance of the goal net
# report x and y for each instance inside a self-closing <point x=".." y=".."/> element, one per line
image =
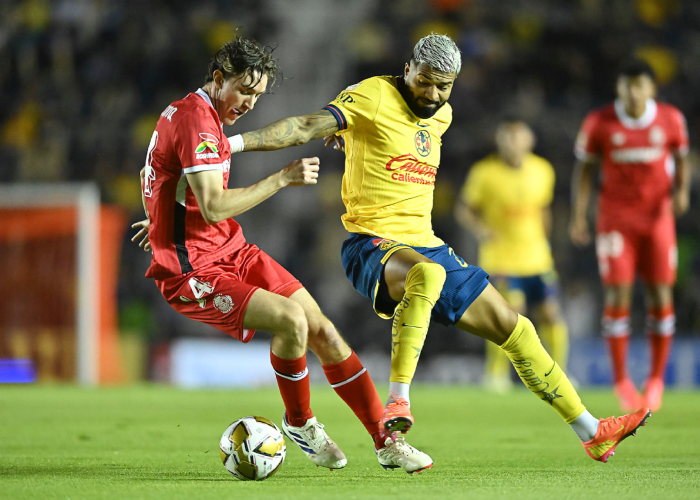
<point x="59" y="250"/>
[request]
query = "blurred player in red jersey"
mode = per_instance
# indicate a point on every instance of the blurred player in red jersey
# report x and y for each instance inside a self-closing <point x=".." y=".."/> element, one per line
<point x="205" y="269"/>
<point x="642" y="145"/>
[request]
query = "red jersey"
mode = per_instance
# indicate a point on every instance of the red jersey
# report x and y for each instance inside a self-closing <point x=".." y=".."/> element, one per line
<point x="637" y="158"/>
<point x="189" y="138"/>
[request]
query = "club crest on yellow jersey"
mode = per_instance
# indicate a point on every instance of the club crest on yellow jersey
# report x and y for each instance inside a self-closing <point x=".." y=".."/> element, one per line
<point x="422" y="140"/>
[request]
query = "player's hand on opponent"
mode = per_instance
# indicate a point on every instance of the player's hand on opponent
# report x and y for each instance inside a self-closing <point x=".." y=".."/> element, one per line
<point x="578" y="231"/>
<point x="681" y="202"/>
<point x="143" y="233"/>
<point x="337" y="141"/>
<point x="301" y="172"/>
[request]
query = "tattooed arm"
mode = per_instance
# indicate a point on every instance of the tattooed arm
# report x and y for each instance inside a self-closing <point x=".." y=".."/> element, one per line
<point x="293" y="131"/>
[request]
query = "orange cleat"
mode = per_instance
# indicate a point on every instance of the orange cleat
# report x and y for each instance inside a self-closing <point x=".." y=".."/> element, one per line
<point x="611" y="432"/>
<point x="627" y="395"/>
<point x="653" y="392"/>
<point x="397" y="415"/>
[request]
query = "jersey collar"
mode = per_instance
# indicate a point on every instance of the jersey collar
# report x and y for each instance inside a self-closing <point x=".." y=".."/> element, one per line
<point x="204" y="96"/>
<point x="643" y="121"/>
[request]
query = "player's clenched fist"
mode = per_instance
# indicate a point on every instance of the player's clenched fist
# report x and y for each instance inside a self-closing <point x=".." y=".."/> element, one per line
<point x="301" y="172"/>
<point x="579" y="233"/>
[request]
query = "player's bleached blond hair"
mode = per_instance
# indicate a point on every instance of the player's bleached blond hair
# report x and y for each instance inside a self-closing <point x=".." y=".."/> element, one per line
<point x="439" y="52"/>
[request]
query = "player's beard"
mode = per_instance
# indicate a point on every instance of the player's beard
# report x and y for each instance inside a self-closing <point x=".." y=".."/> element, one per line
<point x="412" y="101"/>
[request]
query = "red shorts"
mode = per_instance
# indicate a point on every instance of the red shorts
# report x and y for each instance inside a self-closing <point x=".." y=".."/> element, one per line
<point x="218" y="294"/>
<point x="650" y="249"/>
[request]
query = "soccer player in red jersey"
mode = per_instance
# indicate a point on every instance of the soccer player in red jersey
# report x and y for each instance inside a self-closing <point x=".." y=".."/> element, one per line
<point x="207" y="271"/>
<point x="642" y="145"/>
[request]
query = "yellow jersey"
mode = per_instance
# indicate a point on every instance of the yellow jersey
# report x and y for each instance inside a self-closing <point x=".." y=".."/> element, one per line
<point x="511" y="201"/>
<point x="391" y="160"/>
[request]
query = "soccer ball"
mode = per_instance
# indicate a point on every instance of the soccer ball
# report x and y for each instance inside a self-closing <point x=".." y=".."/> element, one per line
<point x="252" y="448"/>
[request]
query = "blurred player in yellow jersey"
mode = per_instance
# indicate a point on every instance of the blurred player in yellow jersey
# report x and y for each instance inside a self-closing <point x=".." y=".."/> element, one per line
<point x="505" y="204"/>
<point x="393" y="128"/>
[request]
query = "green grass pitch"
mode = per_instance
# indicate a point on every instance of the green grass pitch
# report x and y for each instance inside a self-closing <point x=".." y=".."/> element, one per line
<point x="160" y="442"/>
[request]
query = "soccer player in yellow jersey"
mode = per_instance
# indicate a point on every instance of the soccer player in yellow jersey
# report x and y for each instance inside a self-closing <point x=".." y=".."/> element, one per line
<point x="505" y="204"/>
<point x="393" y="129"/>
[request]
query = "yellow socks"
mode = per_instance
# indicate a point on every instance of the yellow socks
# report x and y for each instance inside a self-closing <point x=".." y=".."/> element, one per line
<point x="556" y="338"/>
<point x="540" y="373"/>
<point x="424" y="283"/>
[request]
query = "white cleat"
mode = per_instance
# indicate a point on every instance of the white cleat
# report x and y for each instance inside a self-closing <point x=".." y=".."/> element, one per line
<point x="315" y="443"/>
<point x="398" y="453"/>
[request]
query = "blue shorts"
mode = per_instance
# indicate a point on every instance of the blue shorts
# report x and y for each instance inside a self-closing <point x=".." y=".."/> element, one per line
<point x="364" y="258"/>
<point x="533" y="289"/>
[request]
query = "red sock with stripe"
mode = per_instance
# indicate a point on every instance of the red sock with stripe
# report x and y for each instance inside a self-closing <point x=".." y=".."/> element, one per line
<point x="352" y="383"/>
<point x="293" y="382"/>
<point x="616" y="332"/>
<point x="661" y="325"/>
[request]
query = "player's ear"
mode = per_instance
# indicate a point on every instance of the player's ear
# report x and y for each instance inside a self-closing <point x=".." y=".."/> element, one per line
<point x="218" y="79"/>
<point x="407" y="70"/>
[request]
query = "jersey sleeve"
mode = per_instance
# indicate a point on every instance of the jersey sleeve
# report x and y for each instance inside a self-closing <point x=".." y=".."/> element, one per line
<point x="357" y="105"/>
<point x="587" y="144"/>
<point x="473" y="188"/>
<point x="679" y="133"/>
<point x="444" y="119"/>
<point x="196" y="142"/>
<point x="549" y="179"/>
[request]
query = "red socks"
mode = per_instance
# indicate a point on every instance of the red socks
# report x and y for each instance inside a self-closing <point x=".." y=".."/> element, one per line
<point x="293" y="381"/>
<point x="616" y="332"/>
<point x="354" y="385"/>
<point x="661" y="325"/>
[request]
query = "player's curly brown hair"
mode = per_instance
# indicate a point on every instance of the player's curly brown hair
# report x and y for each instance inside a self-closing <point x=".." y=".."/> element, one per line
<point x="244" y="56"/>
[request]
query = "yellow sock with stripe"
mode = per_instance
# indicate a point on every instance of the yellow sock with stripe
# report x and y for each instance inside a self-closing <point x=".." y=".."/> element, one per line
<point x="556" y="339"/>
<point x="409" y="327"/>
<point x="540" y="373"/>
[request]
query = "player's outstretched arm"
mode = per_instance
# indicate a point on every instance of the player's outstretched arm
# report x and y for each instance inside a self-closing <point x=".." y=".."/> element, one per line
<point x="292" y="131"/>
<point x="471" y="219"/>
<point x="681" y="196"/>
<point x="142" y="225"/>
<point x="217" y="203"/>
<point x="581" y="187"/>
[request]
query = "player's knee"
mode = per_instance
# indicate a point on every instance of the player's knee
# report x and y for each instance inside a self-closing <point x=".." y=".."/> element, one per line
<point x="324" y="338"/>
<point x="551" y="314"/>
<point x="428" y="277"/>
<point x="428" y="272"/>
<point x="659" y="295"/>
<point x="293" y="323"/>
<point x="618" y="295"/>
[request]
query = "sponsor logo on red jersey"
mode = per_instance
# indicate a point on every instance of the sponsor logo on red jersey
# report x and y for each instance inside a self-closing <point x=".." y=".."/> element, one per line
<point x="168" y="113"/>
<point x="210" y="142"/>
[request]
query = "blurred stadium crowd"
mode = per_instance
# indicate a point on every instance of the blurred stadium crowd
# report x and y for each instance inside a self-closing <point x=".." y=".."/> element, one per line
<point x="83" y="83"/>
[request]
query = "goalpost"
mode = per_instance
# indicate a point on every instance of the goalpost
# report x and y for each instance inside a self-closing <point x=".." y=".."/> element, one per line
<point x="25" y="207"/>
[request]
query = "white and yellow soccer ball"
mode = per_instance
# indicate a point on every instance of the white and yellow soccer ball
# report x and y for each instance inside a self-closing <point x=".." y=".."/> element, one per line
<point x="252" y="448"/>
